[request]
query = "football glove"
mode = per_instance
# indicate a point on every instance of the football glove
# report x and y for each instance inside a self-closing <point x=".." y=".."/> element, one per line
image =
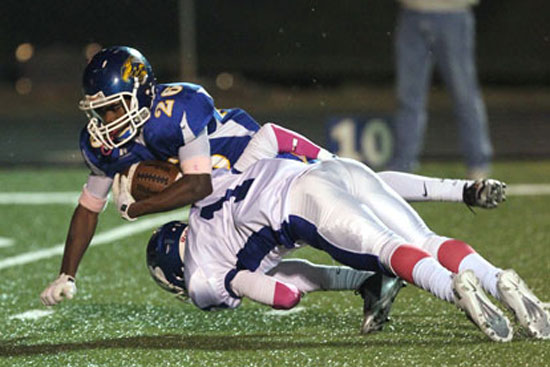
<point x="485" y="193"/>
<point x="123" y="198"/>
<point x="63" y="286"/>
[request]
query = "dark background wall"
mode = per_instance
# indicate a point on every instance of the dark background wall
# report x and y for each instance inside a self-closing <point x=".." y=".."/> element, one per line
<point x="281" y="41"/>
<point x="298" y="63"/>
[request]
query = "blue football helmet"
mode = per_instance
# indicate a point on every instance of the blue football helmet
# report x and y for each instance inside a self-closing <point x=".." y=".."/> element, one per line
<point x="165" y="253"/>
<point x="117" y="77"/>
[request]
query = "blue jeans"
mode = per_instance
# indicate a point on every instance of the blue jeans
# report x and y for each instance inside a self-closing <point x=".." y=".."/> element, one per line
<point x="425" y="39"/>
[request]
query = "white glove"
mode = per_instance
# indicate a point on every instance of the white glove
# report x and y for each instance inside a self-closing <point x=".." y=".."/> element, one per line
<point x="63" y="286"/>
<point x="122" y="196"/>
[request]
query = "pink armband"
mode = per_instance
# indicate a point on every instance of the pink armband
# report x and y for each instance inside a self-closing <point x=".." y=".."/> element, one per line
<point x="291" y="142"/>
<point x="196" y="165"/>
<point x="91" y="202"/>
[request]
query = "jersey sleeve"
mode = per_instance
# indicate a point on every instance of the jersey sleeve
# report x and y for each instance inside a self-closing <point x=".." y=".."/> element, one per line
<point x="198" y="109"/>
<point x="194" y="157"/>
<point x="275" y="141"/>
<point x="205" y="294"/>
<point x="178" y="118"/>
<point x="95" y="193"/>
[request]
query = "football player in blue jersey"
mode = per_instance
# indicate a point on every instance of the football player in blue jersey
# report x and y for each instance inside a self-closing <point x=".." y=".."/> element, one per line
<point x="132" y="118"/>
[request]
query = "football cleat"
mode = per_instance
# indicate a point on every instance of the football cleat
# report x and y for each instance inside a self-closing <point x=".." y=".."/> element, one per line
<point x="378" y="293"/>
<point x="479" y="309"/>
<point x="528" y="309"/>
<point x="485" y="193"/>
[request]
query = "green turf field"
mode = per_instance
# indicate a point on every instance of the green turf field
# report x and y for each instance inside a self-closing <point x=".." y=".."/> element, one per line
<point x="120" y="317"/>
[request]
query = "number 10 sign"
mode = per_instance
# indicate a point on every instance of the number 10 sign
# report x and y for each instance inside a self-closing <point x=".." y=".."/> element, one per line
<point x="367" y="139"/>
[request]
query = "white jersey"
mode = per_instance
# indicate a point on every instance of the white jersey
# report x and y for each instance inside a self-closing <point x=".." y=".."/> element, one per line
<point x="241" y="225"/>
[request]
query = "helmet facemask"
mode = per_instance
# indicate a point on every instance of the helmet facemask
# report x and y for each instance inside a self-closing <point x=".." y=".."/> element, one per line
<point x="123" y="129"/>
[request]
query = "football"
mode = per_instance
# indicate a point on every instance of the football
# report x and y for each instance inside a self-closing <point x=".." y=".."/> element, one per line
<point x="148" y="178"/>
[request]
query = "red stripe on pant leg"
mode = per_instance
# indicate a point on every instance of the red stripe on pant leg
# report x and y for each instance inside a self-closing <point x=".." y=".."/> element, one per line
<point x="286" y="296"/>
<point x="452" y="252"/>
<point x="404" y="259"/>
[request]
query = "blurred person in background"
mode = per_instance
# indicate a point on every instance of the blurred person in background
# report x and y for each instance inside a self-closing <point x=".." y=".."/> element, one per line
<point x="438" y="32"/>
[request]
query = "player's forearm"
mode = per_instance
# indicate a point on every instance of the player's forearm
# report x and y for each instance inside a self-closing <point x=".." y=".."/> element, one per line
<point x="420" y="188"/>
<point x="185" y="191"/>
<point x="81" y="231"/>
<point x="272" y="139"/>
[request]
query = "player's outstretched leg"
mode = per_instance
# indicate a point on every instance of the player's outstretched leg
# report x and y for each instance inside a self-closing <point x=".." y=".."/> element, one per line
<point x="464" y="289"/>
<point x="527" y="308"/>
<point x="401" y="218"/>
<point x="481" y="311"/>
<point x="378" y="293"/>
<point x="353" y="234"/>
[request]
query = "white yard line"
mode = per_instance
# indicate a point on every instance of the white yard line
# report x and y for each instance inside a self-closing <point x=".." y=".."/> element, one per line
<point x="285" y="312"/>
<point x="6" y="242"/>
<point x="39" y="198"/>
<point x="528" y="189"/>
<point x="71" y="197"/>
<point x="32" y="315"/>
<point x="108" y="236"/>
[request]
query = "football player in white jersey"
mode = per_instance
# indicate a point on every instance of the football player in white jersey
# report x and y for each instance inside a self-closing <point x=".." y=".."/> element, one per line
<point x="132" y="118"/>
<point x="237" y="237"/>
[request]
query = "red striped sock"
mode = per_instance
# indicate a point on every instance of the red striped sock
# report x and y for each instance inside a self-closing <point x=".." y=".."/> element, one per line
<point x="452" y="252"/>
<point x="404" y="259"/>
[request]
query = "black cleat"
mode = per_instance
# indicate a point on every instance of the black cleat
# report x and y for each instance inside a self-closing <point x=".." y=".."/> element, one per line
<point x="378" y="293"/>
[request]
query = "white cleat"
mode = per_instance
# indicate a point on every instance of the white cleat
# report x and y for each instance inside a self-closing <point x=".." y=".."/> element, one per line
<point x="479" y="309"/>
<point x="528" y="309"/>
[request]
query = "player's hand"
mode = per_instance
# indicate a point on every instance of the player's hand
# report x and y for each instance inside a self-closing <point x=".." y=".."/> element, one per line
<point x="63" y="286"/>
<point x="485" y="193"/>
<point x="123" y="198"/>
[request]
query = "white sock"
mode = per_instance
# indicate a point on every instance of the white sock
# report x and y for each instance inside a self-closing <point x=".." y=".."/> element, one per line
<point x="419" y="188"/>
<point x="309" y="277"/>
<point x="428" y="274"/>
<point x="484" y="270"/>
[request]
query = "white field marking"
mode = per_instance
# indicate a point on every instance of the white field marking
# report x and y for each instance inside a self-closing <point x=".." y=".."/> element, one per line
<point x="6" y="242"/>
<point x="71" y="197"/>
<point x="285" y="312"/>
<point x="108" y="236"/>
<point x="528" y="189"/>
<point x="32" y="314"/>
<point x="39" y="198"/>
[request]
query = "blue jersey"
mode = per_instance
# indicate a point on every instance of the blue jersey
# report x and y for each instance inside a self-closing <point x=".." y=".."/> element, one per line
<point x="180" y="111"/>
